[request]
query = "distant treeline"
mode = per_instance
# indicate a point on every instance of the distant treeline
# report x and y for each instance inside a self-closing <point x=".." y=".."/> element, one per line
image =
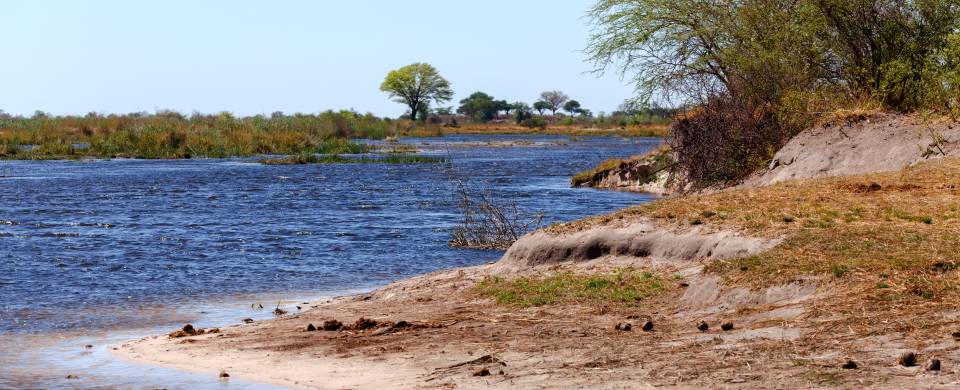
<point x="553" y="108"/>
<point x="169" y="134"/>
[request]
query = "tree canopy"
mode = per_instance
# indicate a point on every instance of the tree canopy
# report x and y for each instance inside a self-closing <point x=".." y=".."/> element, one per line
<point x="482" y="107"/>
<point x="572" y="107"/>
<point x="554" y="100"/>
<point x="416" y="86"/>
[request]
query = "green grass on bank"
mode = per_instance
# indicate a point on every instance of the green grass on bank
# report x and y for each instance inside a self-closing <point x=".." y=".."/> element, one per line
<point x="625" y="286"/>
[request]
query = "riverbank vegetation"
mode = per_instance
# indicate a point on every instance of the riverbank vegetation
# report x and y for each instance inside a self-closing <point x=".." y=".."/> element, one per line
<point x="302" y="159"/>
<point x="168" y="134"/>
<point x="753" y="74"/>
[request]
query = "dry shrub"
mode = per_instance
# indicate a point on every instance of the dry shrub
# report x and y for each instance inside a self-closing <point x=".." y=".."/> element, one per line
<point x="724" y="140"/>
<point x="488" y="221"/>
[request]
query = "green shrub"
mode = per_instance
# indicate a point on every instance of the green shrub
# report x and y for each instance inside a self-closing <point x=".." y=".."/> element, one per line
<point x="535" y="123"/>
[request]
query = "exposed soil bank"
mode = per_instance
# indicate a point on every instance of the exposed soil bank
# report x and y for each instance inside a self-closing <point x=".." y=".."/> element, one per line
<point x="862" y="144"/>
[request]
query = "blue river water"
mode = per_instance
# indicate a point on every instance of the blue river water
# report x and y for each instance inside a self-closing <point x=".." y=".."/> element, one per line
<point x="94" y="246"/>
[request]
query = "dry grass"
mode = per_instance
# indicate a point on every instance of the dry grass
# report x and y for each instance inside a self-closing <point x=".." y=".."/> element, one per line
<point x="888" y="241"/>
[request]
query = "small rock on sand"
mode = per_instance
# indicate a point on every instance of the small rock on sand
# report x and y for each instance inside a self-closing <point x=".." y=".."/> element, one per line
<point x="703" y="326"/>
<point x="727" y="326"/>
<point x="933" y="365"/>
<point x="908" y="359"/>
<point x="332" y="325"/>
<point x="482" y="372"/>
<point x="311" y="328"/>
<point x="72" y="376"/>
<point x="88" y="346"/>
<point x="849" y="365"/>
<point x="647" y="326"/>
<point x="223" y="374"/>
<point x="247" y="320"/>
<point x="956" y="336"/>
<point x="624" y="327"/>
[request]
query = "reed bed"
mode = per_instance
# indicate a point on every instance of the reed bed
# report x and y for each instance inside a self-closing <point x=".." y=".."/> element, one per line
<point x="172" y="135"/>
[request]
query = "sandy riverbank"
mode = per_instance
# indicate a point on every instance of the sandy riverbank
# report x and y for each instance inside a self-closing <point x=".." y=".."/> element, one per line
<point x="794" y="325"/>
<point x="826" y="282"/>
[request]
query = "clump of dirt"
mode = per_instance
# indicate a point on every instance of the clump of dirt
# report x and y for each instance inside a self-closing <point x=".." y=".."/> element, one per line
<point x="363" y="324"/>
<point x="907" y="359"/>
<point x="703" y="326"/>
<point x="188" y="330"/>
<point x="332" y="325"/>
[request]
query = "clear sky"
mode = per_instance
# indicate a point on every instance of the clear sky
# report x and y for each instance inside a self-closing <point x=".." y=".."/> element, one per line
<point x="249" y="57"/>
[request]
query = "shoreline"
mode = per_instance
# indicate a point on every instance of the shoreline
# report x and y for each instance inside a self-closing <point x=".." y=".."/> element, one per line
<point x="715" y="318"/>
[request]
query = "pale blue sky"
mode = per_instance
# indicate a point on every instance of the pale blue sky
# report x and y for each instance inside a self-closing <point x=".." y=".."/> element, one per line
<point x="249" y="57"/>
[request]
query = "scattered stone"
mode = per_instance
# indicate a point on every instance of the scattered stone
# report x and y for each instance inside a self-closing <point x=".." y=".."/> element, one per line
<point x="849" y="365"/>
<point x="647" y="326"/>
<point x="727" y="326"/>
<point x="363" y="324"/>
<point x="88" y="346"/>
<point x="908" y="359"/>
<point x="482" y="372"/>
<point x="311" y="328"/>
<point x="703" y="326"/>
<point x="298" y="308"/>
<point x="247" y="320"/>
<point x="72" y="376"/>
<point x="332" y="325"/>
<point x="624" y="327"/>
<point x="401" y="324"/>
<point x="213" y="330"/>
<point x="933" y="365"/>
<point x="956" y="336"/>
<point x="223" y="374"/>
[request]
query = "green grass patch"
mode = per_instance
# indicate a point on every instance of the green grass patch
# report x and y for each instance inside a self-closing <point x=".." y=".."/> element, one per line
<point x="625" y="286"/>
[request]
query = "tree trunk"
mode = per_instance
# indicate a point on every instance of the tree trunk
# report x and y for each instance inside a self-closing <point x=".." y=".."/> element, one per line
<point x="413" y="111"/>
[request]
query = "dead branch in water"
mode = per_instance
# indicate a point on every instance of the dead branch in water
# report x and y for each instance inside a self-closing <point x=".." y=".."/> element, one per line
<point x="488" y="222"/>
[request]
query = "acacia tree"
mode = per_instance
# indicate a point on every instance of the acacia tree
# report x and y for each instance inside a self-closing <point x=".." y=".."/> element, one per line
<point x="541" y="106"/>
<point x="417" y="85"/>
<point x="573" y="107"/>
<point x="554" y="100"/>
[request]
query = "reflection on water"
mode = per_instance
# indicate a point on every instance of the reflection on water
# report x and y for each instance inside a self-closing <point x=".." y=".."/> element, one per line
<point x="139" y="246"/>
